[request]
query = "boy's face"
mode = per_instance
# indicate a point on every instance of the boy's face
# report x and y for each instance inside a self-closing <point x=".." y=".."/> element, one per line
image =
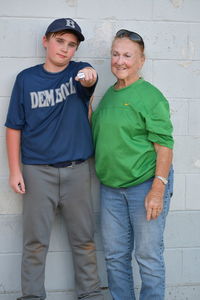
<point x="60" y="49"/>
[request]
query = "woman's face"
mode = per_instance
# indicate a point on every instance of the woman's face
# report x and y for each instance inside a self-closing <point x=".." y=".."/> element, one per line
<point x="126" y="59"/>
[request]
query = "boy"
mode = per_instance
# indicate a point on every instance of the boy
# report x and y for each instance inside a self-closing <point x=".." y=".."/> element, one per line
<point x="47" y="119"/>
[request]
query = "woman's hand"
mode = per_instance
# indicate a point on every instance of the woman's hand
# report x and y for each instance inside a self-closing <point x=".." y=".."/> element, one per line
<point x="154" y="202"/>
<point x="154" y="199"/>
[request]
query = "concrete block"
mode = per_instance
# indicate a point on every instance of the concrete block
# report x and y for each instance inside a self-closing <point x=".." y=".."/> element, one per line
<point x="136" y="274"/>
<point x="61" y="295"/>
<point x="11" y="67"/>
<point x="163" y="42"/>
<point x="191" y="262"/>
<point x="11" y="203"/>
<point x="95" y="102"/>
<point x="173" y="264"/>
<point x="179" y="116"/>
<point x="46" y="9"/>
<point x="59" y="271"/>
<point x="193" y="190"/>
<point x="95" y="190"/>
<point x="10" y="277"/>
<point x="178" y="199"/>
<point x="186" y="154"/>
<point x="4" y="101"/>
<point x="102" y="269"/>
<point x="115" y="9"/>
<point x="178" y="79"/>
<point x="70" y="296"/>
<point x="160" y="38"/>
<point x="98" y="39"/>
<point x="51" y="295"/>
<point x="147" y="70"/>
<point x="17" y="37"/>
<point x="183" y="292"/>
<point x="194" y="120"/>
<point x="95" y="187"/>
<point x="10" y="234"/>
<point x="3" y="159"/>
<point x="178" y="10"/>
<point x="59" y="237"/>
<point x="182" y="230"/>
<point x="194" y="42"/>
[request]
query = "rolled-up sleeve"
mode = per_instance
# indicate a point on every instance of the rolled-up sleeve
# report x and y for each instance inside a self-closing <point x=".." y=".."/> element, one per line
<point x="159" y="125"/>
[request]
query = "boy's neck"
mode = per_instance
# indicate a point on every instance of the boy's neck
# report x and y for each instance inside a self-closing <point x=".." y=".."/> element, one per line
<point x="53" y="68"/>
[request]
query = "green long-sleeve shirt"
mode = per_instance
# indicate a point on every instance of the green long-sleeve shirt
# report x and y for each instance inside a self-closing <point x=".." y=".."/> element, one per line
<point x="125" y="125"/>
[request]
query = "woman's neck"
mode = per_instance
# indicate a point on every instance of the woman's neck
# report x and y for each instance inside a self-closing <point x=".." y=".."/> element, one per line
<point x="122" y="83"/>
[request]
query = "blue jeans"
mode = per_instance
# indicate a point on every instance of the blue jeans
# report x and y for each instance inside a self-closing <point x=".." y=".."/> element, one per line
<point x="124" y="228"/>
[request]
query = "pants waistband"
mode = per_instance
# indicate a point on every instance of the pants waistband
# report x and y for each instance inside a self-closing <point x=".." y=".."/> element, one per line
<point x="67" y="164"/>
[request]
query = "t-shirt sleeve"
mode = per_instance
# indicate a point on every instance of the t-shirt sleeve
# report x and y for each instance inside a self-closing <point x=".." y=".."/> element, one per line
<point x="159" y="125"/>
<point x="85" y="92"/>
<point x="15" y="116"/>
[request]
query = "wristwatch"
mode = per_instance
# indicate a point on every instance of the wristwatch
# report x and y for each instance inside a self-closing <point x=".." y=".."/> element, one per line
<point x="163" y="179"/>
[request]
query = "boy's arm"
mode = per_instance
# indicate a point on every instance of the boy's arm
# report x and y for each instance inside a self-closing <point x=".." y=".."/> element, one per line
<point x="90" y="77"/>
<point x="13" y="138"/>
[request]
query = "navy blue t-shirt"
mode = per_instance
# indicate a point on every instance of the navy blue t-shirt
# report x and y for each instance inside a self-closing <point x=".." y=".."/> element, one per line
<point x="51" y="111"/>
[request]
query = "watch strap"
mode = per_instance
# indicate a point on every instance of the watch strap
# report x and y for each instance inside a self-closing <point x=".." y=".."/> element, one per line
<point x="163" y="179"/>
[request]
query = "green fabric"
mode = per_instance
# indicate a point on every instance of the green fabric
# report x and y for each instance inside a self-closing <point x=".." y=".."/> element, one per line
<point x="125" y="125"/>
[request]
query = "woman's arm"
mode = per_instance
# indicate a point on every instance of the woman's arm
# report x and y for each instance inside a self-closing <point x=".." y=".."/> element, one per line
<point x="90" y="107"/>
<point x="154" y="199"/>
<point x="13" y="138"/>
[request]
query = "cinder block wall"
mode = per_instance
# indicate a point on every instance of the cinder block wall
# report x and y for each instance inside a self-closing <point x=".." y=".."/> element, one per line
<point x="171" y="30"/>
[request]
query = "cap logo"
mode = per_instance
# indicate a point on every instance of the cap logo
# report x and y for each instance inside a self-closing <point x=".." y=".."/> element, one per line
<point x="70" y="23"/>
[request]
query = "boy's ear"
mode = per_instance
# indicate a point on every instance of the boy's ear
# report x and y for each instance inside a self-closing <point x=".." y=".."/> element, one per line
<point x="44" y="41"/>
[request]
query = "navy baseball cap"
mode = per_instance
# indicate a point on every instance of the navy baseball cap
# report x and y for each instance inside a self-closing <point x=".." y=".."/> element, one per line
<point x="65" y="24"/>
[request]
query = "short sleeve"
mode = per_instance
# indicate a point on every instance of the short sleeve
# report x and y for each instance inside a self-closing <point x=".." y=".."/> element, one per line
<point x="15" y="116"/>
<point x="159" y="126"/>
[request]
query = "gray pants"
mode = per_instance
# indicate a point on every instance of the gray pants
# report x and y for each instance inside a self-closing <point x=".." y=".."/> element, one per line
<point x="46" y="189"/>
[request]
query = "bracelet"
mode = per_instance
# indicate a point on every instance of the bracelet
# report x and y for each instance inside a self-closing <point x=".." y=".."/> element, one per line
<point x="163" y="179"/>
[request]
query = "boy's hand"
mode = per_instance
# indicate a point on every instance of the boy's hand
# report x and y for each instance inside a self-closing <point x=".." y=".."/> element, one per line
<point x="88" y="76"/>
<point x="17" y="183"/>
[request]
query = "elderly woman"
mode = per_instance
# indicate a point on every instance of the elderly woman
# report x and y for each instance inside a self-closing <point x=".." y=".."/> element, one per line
<point x="133" y="140"/>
